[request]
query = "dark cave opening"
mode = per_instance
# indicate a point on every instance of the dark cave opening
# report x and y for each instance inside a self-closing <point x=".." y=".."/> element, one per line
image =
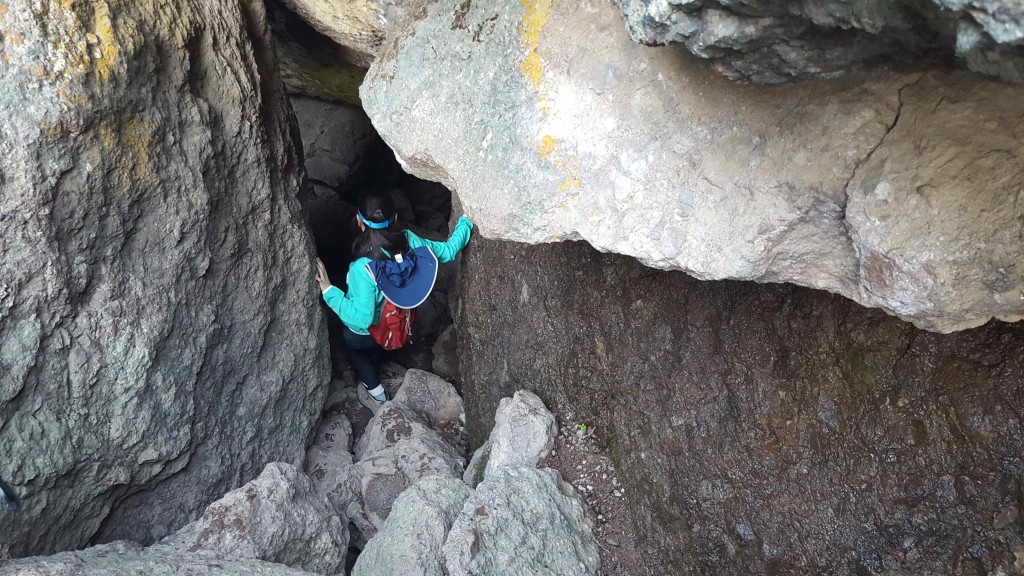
<point x="346" y="159"/>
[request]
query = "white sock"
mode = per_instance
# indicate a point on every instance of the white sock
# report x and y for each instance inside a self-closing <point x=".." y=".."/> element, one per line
<point x="379" y="393"/>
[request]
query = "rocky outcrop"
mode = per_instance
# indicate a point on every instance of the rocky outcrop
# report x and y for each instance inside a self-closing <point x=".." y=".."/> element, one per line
<point x="130" y="559"/>
<point x="524" y="433"/>
<point x="759" y="429"/>
<point x="160" y="340"/>
<point x="771" y="42"/>
<point x="409" y="541"/>
<point x="522" y="520"/>
<point x="878" y="188"/>
<point x="278" y="517"/>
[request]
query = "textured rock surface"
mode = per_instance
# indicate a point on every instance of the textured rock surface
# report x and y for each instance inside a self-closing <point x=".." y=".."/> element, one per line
<point x="524" y="432"/>
<point x="881" y="189"/>
<point x="396" y="450"/>
<point x="160" y="341"/>
<point x="768" y="41"/>
<point x="522" y="520"/>
<point x="433" y="399"/>
<point x="130" y="559"/>
<point x="759" y="429"/>
<point x="279" y="517"/>
<point x="335" y="138"/>
<point x="409" y="542"/>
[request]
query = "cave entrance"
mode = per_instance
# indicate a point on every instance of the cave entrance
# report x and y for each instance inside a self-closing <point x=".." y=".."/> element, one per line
<point x="345" y="159"/>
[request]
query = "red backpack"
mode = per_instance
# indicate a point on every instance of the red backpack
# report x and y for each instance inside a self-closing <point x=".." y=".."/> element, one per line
<point x="395" y="327"/>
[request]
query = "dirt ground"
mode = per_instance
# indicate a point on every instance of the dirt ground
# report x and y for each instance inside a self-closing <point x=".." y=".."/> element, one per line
<point x="578" y="456"/>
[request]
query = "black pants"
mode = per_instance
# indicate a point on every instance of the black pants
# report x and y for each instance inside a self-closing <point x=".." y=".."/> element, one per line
<point x="364" y="355"/>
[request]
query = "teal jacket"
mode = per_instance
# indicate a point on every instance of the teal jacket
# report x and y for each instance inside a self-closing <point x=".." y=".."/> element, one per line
<point x="360" y="307"/>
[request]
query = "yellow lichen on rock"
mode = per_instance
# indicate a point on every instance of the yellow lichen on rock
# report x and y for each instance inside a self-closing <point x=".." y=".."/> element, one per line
<point x="535" y="18"/>
<point x="107" y="48"/>
<point x="130" y="142"/>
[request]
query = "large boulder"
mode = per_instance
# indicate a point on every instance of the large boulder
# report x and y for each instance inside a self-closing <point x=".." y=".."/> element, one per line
<point x="409" y="541"/>
<point x="125" y="558"/>
<point x="279" y="517"/>
<point x="771" y="42"/>
<point x="899" y="191"/>
<point x="359" y="25"/>
<point x="522" y="520"/>
<point x="524" y="433"/>
<point x="160" y="338"/>
<point x="430" y="397"/>
<point x="758" y="428"/>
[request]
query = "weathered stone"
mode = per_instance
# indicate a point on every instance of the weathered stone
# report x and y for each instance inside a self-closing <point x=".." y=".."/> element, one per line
<point x="279" y="517"/>
<point x="845" y="441"/>
<point x="770" y="42"/>
<point x="125" y="558"/>
<point x="522" y="521"/>
<point x="524" y="432"/>
<point x="335" y="138"/>
<point x="409" y="542"/>
<point x="430" y="397"/>
<point x="396" y="450"/>
<point x="642" y="152"/>
<point x="384" y="475"/>
<point x="160" y="339"/>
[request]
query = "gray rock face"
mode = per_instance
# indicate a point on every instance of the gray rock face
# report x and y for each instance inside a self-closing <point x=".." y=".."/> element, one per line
<point x="409" y="541"/>
<point x="524" y="433"/>
<point x="279" y="517"/>
<point x="396" y="450"/>
<point x="335" y="138"/>
<point x="522" y="520"/>
<point x="130" y="559"/>
<point x="839" y="185"/>
<point x="771" y="42"/>
<point x="759" y="429"/>
<point x="160" y="339"/>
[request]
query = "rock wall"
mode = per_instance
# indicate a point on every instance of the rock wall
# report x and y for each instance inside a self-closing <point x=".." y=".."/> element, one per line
<point x="900" y="191"/>
<point x="160" y="337"/>
<point x="760" y="429"/>
<point x="771" y="41"/>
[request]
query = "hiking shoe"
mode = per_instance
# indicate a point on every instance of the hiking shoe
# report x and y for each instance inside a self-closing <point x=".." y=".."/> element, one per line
<point x="365" y="399"/>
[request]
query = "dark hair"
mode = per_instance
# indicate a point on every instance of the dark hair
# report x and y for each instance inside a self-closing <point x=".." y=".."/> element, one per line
<point x="373" y="242"/>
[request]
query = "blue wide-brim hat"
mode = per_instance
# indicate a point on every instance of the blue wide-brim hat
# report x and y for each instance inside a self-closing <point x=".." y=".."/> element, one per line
<point x="407" y="280"/>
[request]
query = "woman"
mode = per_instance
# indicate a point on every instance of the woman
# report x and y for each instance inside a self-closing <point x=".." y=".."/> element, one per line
<point x="380" y="238"/>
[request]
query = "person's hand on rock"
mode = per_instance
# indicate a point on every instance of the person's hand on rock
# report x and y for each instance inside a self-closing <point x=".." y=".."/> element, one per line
<point x="321" y="276"/>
